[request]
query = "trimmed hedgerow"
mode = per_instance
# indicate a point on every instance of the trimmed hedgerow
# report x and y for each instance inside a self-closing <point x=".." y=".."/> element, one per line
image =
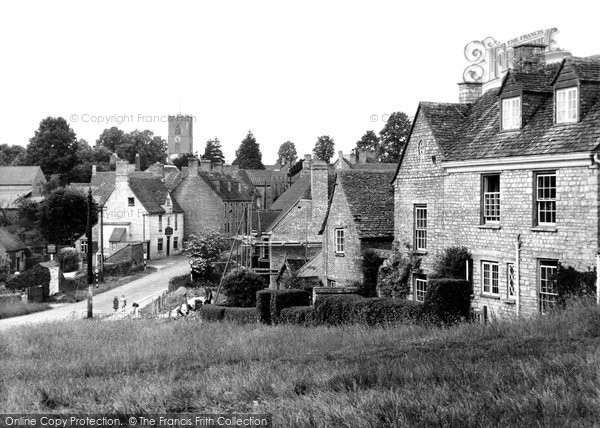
<point x="212" y="312"/>
<point x="447" y="300"/>
<point x="38" y="275"/>
<point x="335" y="310"/>
<point x="573" y="283"/>
<point x="299" y="315"/>
<point x="263" y="305"/>
<point x="241" y="315"/>
<point x="281" y="299"/>
<point x="179" y="281"/>
<point x="240" y="287"/>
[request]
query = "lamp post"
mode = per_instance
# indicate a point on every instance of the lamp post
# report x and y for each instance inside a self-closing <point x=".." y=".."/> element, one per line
<point x="90" y="272"/>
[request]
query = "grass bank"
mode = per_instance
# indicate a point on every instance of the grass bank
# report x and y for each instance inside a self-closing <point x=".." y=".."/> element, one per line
<point x="19" y="308"/>
<point x="541" y="371"/>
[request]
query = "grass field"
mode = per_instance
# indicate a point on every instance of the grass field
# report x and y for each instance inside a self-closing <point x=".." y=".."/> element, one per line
<point x="542" y="371"/>
<point x="9" y="310"/>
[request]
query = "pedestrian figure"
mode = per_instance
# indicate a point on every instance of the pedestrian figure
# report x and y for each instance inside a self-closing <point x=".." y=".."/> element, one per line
<point x="116" y="304"/>
<point x="123" y="303"/>
<point x="136" y="310"/>
<point x="209" y="297"/>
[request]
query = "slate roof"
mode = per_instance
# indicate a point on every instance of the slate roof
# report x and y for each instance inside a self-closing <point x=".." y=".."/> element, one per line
<point x="10" y="241"/>
<point x="299" y="190"/>
<point x="262" y="219"/>
<point x="152" y="193"/>
<point x="312" y="268"/>
<point x="375" y="166"/>
<point x="370" y="200"/>
<point x="18" y="175"/>
<point x="220" y="186"/>
<point x="117" y="235"/>
<point x="260" y="177"/>
<point x="472" y="131"/>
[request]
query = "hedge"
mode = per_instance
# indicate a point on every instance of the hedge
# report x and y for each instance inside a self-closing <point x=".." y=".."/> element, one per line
<point x="263" y="305"/>
<point x="447" y="300"/>
<point x="241" y="315"/>
<point x="212" y="312"/>
<point x="336" y="309"/>
<point x="299" y="315"/>
<point x="75" y="283"/>
<point x="179" y="281"/>
<point x="281" y="299"/>
<point x="240" y="287"/>
<point x="38" y="275"/>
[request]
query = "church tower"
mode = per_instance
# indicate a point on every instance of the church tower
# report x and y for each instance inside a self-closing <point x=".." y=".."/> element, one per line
<point x="180" y="140"/>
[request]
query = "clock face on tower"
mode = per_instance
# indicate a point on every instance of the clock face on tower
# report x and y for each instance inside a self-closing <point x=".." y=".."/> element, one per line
<point x="177" y="139"/>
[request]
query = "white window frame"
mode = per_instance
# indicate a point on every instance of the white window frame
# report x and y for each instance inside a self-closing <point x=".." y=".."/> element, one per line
<point x="160" y="245"/>
<point x="547" y="287"/>
<point x="491" y="201"/>
<point x="490" y="278"/>
<point x="511" y="276"/>
<point x="545" y="202"/>
<point x="420" y="287"/>
<point x="511" y="113"/>
<point x="339" y="240"/>
<point x="567" y="105"/>
<point x="420" y="227"/>
<point x="84" y="245"/>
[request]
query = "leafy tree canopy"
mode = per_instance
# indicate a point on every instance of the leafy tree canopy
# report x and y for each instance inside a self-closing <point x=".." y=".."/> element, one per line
<point x="248" y="155"/>
<point x="324" y="148"/>
<point x="183" y="160"/>
<point x="287" y="152"/>
<point x="393" y="137"/>
<point x="369" y="141"/>
<point x="213" y="151"/>
<point x="204" y="250"/>
<point x="11" y="155"/>
<point x="62" y="216"/>
<point x="151" y="148"/>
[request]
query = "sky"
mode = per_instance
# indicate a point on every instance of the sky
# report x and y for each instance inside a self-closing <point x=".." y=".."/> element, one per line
<point x="284" y="70"/>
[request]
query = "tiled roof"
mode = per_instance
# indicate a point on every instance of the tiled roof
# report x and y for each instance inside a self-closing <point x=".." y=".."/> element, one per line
<point x="375" y="166"/>
<point x="18" y="175"/>
<point x="299" y="190"/>
<point x="371" y="201"/>
<point x="10" y="241"/>
<point x="221" y="188"/>
<point x="587" y="69"/>
<point x="472" y="131"/>
<point x="152" y="193"/>
<point x="312" y="268"/>
<point x="264" y="177"/>
<point x="117" y="234"/>
<point x="262" y="219"/>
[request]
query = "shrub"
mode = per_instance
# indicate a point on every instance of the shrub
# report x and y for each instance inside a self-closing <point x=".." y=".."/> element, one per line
<point x="447" y="300"/>
<point x="263" y="305"/>
<point x="371" y="262"/>
<point x="121" y="269"/>
<point x="281" y="299"/>
<point x="38" y="275"/>
<point x="241" y="315"/>
<point x="394" y="274"/>
<point x="68" y="258"/>
<point x="204" y="251"/>
<point x="179" y="281"/>
<point x="336" y="309"/>
<point x="78" y="282"/>
<point x="240" y="287"/>
<point x="451" y="263"/>
<point x="212" y="312"/>
<point x="300" y="315"/>
<point x="380" y="311"/>
<point x="573" y="283"/>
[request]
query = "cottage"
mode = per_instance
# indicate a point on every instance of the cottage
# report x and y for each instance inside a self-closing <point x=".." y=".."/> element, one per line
<point x="20" y="182"/>
<point x="513" y="176"/>
<point x="12" y="251"/>
<point x="360" y="216"/>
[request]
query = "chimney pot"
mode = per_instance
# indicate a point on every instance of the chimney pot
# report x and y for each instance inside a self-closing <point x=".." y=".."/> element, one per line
<point x="192" y="167"/>
<point x="218" y="166"/>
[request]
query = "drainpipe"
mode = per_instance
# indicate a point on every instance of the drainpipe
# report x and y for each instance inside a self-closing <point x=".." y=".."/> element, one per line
<point x="518" y="275"/>
<point x="598" y="278"/>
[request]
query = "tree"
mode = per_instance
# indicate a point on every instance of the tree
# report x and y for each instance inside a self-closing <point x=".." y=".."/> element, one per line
<point x="10" y="154"/>
<point x="184" y="159"/>
<point x="213" y="151"/>
<point x="393" y="137"/>
<point x="324" y="148"/>
<point x="204" y="251"/>
<point x="151" y="148"/>
<point x="248" y="155"/>
<point x="240" y="287"/>
<point x="53" y="147"/>
<point x="369" y="141"/>
<point x="87" y="156"/>
<point x="62" y="216"/>
<point x="287" y="152"/>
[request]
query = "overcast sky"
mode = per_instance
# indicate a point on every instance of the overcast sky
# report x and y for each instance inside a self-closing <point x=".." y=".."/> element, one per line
<point x="285" y="70"/>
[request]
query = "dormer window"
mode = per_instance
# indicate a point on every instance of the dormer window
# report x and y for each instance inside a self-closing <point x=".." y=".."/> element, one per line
<point x="566" y="105"/>
<point x="511" y="113"/>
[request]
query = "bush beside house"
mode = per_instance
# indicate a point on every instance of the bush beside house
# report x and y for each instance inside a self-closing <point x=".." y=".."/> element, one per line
<point x="68" y="258"/>
<point x="240" y="287"/>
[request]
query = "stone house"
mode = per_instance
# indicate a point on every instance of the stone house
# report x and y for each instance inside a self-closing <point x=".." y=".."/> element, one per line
<point x="12" y="251"/>
<point x="513" y="176"/>
<point x="20" y="182"/>
<point x="293" y="234"/>
<point x="136" y="207"/>
<point x="360" y="216"/>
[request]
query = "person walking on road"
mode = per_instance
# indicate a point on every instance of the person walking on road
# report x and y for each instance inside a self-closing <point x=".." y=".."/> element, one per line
<point x="123" y="303"/>
<point x="116" y="304"/>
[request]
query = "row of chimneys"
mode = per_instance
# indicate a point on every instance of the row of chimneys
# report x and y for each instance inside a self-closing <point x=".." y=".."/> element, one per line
<point x="207" y="166"/>
<point x="527" y="58"/>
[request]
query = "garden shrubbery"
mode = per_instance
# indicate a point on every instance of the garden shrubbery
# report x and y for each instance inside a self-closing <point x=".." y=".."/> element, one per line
<point x="299" y="315"/>
<point x="68" y="258"/>
<point x="223" y="313"/>
<point x="447" y="300"/>
<point x="179" y="281"/>
<point x="38" y="275"/>
<point x="263" y="305"/>
<point x="281" y="299"/>
<point x="212" y="312"/>
<point x="240" y="287"/>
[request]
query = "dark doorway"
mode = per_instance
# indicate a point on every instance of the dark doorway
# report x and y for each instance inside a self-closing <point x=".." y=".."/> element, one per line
<point x="148" y="250"/>
<point x="168" y="245"/>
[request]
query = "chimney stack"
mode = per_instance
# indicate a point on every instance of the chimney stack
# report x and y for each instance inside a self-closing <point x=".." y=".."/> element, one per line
<point x="94" y="169"/>
<point x="205" y="165"/>
<point x="121" y="172"/>
<point x="528" y="57"/>
<point x="306" y="165"/>
<point x="319" y="192"/>
<point x="137" y="162"/>
<point x="218" y="166"/>
<point x="192" y="167"/>
<point x="469" y="92"/>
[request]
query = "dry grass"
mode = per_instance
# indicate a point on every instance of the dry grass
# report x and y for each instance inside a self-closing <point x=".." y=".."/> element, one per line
<point x="9" y="310"/>
<point x="538" y="372"/>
